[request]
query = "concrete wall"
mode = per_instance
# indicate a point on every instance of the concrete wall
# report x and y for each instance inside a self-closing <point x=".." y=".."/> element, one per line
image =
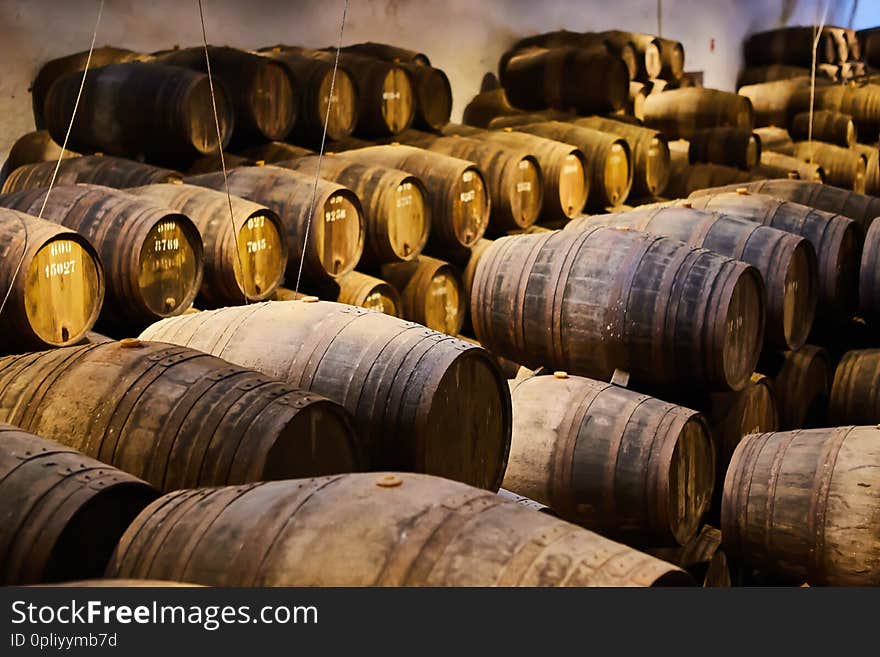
<point x="464" y="37"/>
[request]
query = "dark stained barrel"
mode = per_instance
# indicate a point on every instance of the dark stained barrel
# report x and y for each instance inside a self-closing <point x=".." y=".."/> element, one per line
<point x="96" y="170"/>
<point x="605" y="299"/>
<point x="790" y="45"/>
<point x="855" y="393"/>
<point x="777" y="165"/>
<point x="348" y="530"/>
<point x="802" y="384"/>
<point x="487" y="105"/>
<point x="388" y="53"/>
<point x="609" y="459"/>
<point x="828" y="126"/>
<point x="860" y="102"/>
<point x="397" y="214"/>
<point x="843" y="167"/>
<point x="686" y="178"/>
<point x="802" y="505"/>
<point x="313" y="79"/>
<point x="327" y="238"/>
<point x="775" y="139"/>
<point x="872" y="173"/>
<point x="869" y="44"/>
<point x="245" y="253"/>
<point x="357" y="289"/>
<point x="56" y="293"/>
<point x="153" y="256"/>
<point x="733" y="147"/>
<point x="563" y="167"/>
<point x="774" y="72"/>
<point x="174" y="416"/>
<point x="787" y="262"/>
<point x="63" y="512"/>
<point x="422" y="400"/>
<point x="433" y="96"/>
<point x="703" y="557"/>
<point x="212" y="163"/>
<point x="671" y="59"/>
<point x="869" y="275"/>
<point x="431" y="293"/>
<point x="274" y="151"/>
<point x="616" y="44"/>
<point x="262" y="95"/>
<point x="457" y="192"/>
<point x="836" y="240"/>
<point x="513" y="176"/>
<point x="35" y="147"/>
<point x="648" y="50"/>
<point x="160" y="112"/>
<point x="680" y="112"/>
<point x="776" y="103"/>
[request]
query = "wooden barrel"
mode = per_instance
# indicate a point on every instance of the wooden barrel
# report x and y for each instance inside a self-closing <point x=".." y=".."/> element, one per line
<point x="777" y="165"/>
<point x="563" y="167"/>
<point x="686" y="178"/>
<point x="790" y="45"/>
<point x="163" y="113"/>
<point x="56" y="294"/>
<point x="487" y="105"/>
<point x="346" y="530"/>
<point x="174" y="416"/>
<point x="776" y="103"/>
<point x="802" y="505"/>
<point x="56" y="68"/>
<point x="514" y="177"/>
<point x="860" y="102"/>
<point x="566" y="78"/>
<point x="802" y="383"/>
<point x="869" y="44"/>
<point x="872" y="173"/>
<point x="108" y="171"/>
<point x="869" y="275"/>
<point x="843" y="167"/>
<point x="357" y="289"/>
<point x="63" y="512"/>
<point x="397" y="219"/>
<point x="35" y="147"/>
<point x="854" y="391"/>
<point x="729" y="146"/>
<point x="262" y="94"/>
<point x="431" y="293"/>
<point x="680" y="112"/>
<point x="615" y="299"/>
<point x="774" y="72"/>
<point x="323" y="221"/>
<point x="671" y="59"/>
<point x="457" y="192"/>
<point x="422" y="400"/>
<point x="212" y="163"/>
<point x="433" y="96"/>
<point x="836" y="240"/>
<point x="388" y="53"/>
<point x="787" y="262"/>
<point x="703" y="557"/>
<point x="245" y="254"/>
<point x="775" y="139"/>
<point x="275" y="151"/>
<point x="617" y="462"/>
<point x="313" y="79"/>
<point x="153" y="257"/>
<point x="623" y="48"/>
<point x="828" y="126"/>
<point x="647" y="47"/>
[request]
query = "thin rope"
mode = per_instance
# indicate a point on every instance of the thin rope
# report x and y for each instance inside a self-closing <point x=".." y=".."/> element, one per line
<point x="818" y="34"/>
<point x="82" y="84"/>
<point x="220" y="147"/>
<point x="321" y="151"/>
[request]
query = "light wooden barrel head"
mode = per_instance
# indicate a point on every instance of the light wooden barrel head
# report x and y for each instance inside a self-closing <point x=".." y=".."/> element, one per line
<point x="409" y="223"/>
<point x="343" y="114"/>
<point x="199" y="114"/>
<point x="471" y="207"/>
<point x="272" y="100"/>
<point x="691" y="479"/>
<point x="63" y="291"/>
<point x="444" y="303"/>
<point x="338" y="234"/>
<point x="260" y="263"/>
<point x="658" y="165"/>
<point x="170" y="267"/>
<point x="743" y="329"/>
<point x="573" y="186"/>
<point x="528" y="193"/>
<point x="397" y="100"/>
<point x="616" y="173"/>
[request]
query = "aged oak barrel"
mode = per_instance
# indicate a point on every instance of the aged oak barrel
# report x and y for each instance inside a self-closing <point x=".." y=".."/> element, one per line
<point x="275" y="151"/>
<point x="776" y="103"/>
<point x="422" y="400"/>
<point x="163" y="113"/>
<point x="790" y="45"/>
<point x="94" y="169"/>
<point x="371" y="529"/>
<point x="212" y="163"/>
<point x="245" y="245"/>
<point x="388" y="53"/>
<point x="54" y="280"/>
<point x="777" y="165"/>
<point x="680" y="112"/>
<point x="261" y="93"/>
<point x="176" y="417"/>
<point x="802" y="505"/>
<point x="35" y="147"/>
<point x="855" y="393"/>
<point x="836" y="240"/>
<point x="609" y="459"/>
<point x="63" y="512"/>
<point x="860" y="102"/>
<point x="622" y="47"/>
<point x="775" y="139"/>
<point x="606" y="299"/>
<point x="458" y="193"/>
<point x="872" y="173"/>
<point x="703" y="557"/>
<point x="357" y="289"/>
<point x="486" y="106"/>
<point x="774" y="72"/>
<point x="397" y="216"/>
<point x="869" y="275"/>
<point x="433" y="96"/>
<point x="801" y="383"/>
<point x="431" y="293"/>
<point x="648" y="50"/>
<point x="153" y="256"/>
<point x="685" y="178"/>
<point x="324" y="230"/>
<point x="730" y="146"/>
<point x="843" y="167"/>
<point x="787" y="262"/>
<point x="828" y="126"/>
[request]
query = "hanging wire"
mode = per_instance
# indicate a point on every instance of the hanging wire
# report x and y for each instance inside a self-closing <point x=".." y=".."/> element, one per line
<point x="817" y="35"/>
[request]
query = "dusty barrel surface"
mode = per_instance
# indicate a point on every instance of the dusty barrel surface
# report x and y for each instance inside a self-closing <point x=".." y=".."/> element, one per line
<point x="802" y="505"/>
<point x="329" y="240"/>
<point x="357" y="289"/>
<point x="63" y="512"/>
<point x="431" y="293"/>
<point x="94" y="169"/>
<point x="35" y="147"/>
<point x="778" y="165"/>
<point x="486" y="106"/>
<point x="828" y="126"/>
<point x="685" y="178"/>
<point x="730" y="146"/>
<point x="260" y="91"/>
<point x="843" y="167"/>
<point x="751" y="75"/>
<point x="153" y="257"/>
<point x="679" y="112"/>
<point x="245" y="254"/>
<point x="609" y="459"/>
<point x="855" y="393"/>
<point x="869" y="274"/>
<point x="607" y="299"/>
<point x="802" y="384"/>
<point x="161" y="112"/>
<point x="274" y="151"/>
<point x="56" y="294"/>
<point x="174" y="416"/>
<point x="374" y="529"/>
<point x="836" y="240"/>
<point x="458" y="194"/>
<point x="703" y="557"/>
<point x="787" y="262"/>
<point x="422" y="400"/>
<point x="397" y="215"/>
